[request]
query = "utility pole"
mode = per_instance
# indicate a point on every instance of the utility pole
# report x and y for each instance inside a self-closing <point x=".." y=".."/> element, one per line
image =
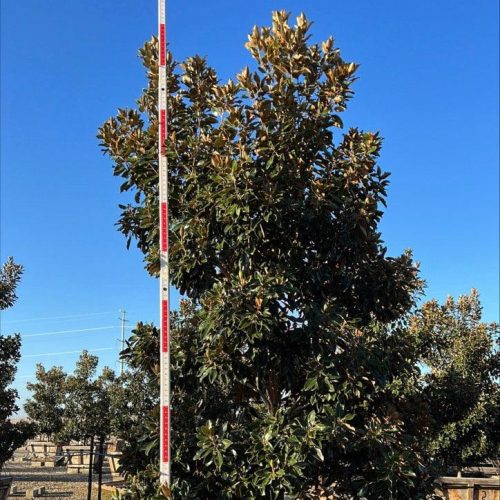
<point x="123" y="320"/>
<point x="164" y="264"/>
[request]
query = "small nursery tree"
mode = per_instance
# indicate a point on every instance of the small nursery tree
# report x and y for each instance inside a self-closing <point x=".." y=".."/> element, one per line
<point x="84" y="404"/>
<point x="131" y="397"/>
<point x="291" y="376"/>
<point x="12" y="435"/>
<point x="461" y="384"/>
<point x="87" y="402"/>
<point x="46" y="406"/>
<point x="139" y="430"/>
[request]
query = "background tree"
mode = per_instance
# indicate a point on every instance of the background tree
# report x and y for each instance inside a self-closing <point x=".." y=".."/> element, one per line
<point x="87" y="403"/>
<point x="46" y="406"/>
<point x="291" y="377"/>
<point x="139" y="461"/>
<point x="131" y="397"/>
<point x="12" y="435"/>
<point x="66" y="407"/>
<point x="461" y="381"/>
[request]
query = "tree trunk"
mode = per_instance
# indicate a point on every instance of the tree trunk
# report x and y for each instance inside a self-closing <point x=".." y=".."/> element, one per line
<point x="89" y="487"/>
<point x="101" y="460"/>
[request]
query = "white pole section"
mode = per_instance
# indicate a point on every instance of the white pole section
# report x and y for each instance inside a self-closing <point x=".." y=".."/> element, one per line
<point x="164" y="271"/>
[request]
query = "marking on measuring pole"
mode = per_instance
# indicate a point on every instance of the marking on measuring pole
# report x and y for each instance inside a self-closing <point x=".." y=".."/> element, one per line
<point x="165" y="418"/>
<point x="162" y="44"/>
<point x="164" y="325"/>
<point x="163" y="129"/>
<point x="164" y="256"/>
<point x="164" y="227"/>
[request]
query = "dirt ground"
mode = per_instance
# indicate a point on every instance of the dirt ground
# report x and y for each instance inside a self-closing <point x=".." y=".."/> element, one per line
<point x="58" y="483"/>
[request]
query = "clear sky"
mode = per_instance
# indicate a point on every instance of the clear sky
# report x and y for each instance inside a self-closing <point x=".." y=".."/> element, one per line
<point x="428" y="83"/>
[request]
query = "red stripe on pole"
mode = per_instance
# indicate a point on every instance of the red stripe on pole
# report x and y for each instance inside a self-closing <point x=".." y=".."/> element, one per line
<point x="162" y="45"/>
<point x="164" y="227"/>
<point x="163" y="130"/>
<point x="164" y="325"/>
<point x="164" y="454"/>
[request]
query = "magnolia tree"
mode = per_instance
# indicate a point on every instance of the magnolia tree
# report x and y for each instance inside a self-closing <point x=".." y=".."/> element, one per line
<point x="46" y="405"/>
<point x="76" y="406"/>
<point x="85" y="403"/>
<point x="292" y="367"/>
<point x="461" y="382"/>
<point x="12" y="435"/>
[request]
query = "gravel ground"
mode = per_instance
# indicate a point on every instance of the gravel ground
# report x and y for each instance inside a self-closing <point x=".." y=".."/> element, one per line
<point x="58" y="483"/>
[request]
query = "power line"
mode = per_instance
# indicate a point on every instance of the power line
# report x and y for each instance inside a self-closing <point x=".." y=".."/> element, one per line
<point x="65" y="352"/>
<point x="43" y="334"/>
<point x="83" y="315"/>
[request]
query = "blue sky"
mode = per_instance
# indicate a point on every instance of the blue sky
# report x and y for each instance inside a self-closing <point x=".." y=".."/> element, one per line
<point x="428" y="83"/>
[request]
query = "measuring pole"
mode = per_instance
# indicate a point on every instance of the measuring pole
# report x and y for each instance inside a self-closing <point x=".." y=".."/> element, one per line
<point x="164" y="271"/>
